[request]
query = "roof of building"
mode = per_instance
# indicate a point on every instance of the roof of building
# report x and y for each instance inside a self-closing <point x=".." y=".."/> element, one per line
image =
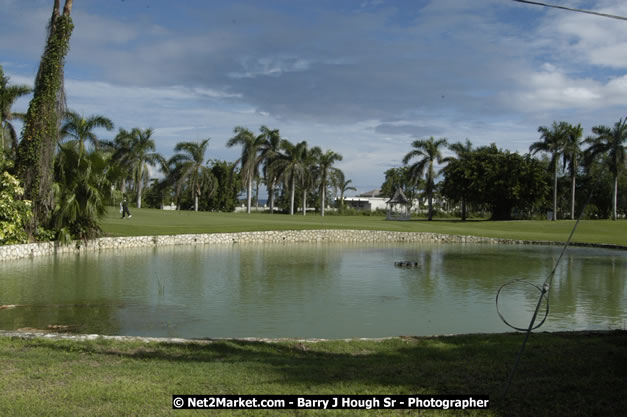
<point x="399" y="198"/>
<point x="371" y="193"/>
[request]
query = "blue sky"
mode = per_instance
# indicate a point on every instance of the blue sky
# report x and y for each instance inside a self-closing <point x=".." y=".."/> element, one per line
<point x="364" y="78"/>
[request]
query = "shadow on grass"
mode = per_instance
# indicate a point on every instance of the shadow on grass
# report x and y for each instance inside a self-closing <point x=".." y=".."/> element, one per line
<point x="560" y="374"/>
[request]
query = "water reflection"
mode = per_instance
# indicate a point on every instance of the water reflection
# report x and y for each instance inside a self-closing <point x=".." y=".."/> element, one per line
<point x="310" y="290"/>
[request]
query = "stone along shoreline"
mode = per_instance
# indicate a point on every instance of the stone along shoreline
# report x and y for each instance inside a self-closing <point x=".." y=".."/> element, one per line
<point x="286" y="236"/>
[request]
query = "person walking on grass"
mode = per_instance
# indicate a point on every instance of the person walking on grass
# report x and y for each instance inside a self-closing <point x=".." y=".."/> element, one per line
<point x="125" y="209"/>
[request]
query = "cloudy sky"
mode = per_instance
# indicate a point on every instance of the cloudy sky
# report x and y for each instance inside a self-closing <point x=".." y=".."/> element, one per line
<point x="362" y="77"/>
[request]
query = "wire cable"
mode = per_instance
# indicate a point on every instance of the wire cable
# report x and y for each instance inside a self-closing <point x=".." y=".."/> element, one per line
<point x="537" y="3"/>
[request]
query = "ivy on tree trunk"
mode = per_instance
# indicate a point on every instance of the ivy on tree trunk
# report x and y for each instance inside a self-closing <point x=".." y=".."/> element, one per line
<point x="35" y="154"/>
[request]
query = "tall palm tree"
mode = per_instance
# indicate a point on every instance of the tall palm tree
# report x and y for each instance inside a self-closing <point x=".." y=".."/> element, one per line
<point x="137" y="151"/>
<point x="310" y="173"/>
<point x="572" y="155"/>
<point x="553" y="141"/>
<point x="80" y="130"/>
<point x="188" y="166"/>
<point x="325" y="167"/>
<point x="270" y="150"/>
<point x="462" y="151"/>
<point x="251" y="146"/>
<point x="429" y="153"/>
<point x="610" y="142"/>
<point x="8" y="95"/>
<point x="290" y="165"/>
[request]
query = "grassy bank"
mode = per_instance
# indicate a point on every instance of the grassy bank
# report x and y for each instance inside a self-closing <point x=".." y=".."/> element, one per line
<point x="562" y="374"/>
<point x="160" y="222"/>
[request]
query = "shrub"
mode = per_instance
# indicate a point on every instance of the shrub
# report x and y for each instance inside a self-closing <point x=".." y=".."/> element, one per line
<point x="14" y="213"/>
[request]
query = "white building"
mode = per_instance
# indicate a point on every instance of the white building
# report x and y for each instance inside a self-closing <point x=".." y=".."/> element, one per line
<point x="369" y="201"/>
<point x="373" y="200"/>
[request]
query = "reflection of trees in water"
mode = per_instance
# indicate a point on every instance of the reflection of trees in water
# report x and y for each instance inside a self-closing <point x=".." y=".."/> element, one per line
<point x="78" y="318"/>
<point x="421" y="282"/>
<point x="486" y="267"/>
<point x="587" y="281"/>
<point x="268" y="272"/>
<point x="592" y="284"/>
<point x="100" y="291"/>
<point x="59" y="290"/>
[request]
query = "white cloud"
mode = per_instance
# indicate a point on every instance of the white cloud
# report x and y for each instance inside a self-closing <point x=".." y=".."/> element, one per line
<point x="588" y="39"/>
<point x="553" y="89"/>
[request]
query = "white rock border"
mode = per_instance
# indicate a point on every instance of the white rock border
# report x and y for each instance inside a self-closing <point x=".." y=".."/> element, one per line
<point x="291" y="236"/>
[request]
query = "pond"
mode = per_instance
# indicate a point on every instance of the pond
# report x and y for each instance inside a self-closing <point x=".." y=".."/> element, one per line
<point x="311" y="290"/>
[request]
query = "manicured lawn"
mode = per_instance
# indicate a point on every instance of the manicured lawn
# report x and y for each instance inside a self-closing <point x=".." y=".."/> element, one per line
<point x="160" y="222"/>
<point x="561" y="374"/>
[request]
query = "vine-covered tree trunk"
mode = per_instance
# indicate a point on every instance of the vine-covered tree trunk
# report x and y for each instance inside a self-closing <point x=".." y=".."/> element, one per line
<point x="35" y="153"/>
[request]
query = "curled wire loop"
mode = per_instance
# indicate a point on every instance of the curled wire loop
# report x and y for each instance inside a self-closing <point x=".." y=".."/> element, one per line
<point x="542" y="294"/>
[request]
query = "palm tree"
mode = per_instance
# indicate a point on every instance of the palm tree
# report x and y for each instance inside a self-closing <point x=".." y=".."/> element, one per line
<point x="137" y="152"/>
<point x="340" y="184"/>
<point x="572" y="155"/>
<point x="290" y="165"/>
<point x="429" y="152"/>
<point x="270" y="150"/>
<point x="610" y="142"/>
<point x="325" y="167"/>
<point x="462" y="151"/>
<point x="8" y="95"/>
<point x="80" y="130"/>
<point x="310" y="173"/>
<point x="553" y="141"/>
<point x="344" y="187"/>
<point x="189" y="166"/>
<point x="251" y="146"/>
<point x="79" y="189"/>
<point x="120" y="169"/>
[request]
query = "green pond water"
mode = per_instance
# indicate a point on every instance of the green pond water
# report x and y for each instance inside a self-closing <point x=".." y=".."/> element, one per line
<point x="311" y="290"/>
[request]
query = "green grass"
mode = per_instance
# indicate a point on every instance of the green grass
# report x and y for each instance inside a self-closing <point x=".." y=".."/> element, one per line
<point x="562" y="374"/>
<point x="161" y="222"/>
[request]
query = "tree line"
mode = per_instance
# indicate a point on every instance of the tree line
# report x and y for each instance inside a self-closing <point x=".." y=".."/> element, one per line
<point x="511" y="185"/>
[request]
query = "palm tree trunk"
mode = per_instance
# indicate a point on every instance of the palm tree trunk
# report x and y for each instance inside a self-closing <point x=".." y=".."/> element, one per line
<point x="292" y="196"/>
<point x="249" y="193"/>
<point x="430" y="206"/>
<point x="257" y="195"/>
<point x="195" y="202"/>
<point x="271" y="195"/>
<point x="615" y="199"/>
<point x="80" y="152"/>
<point x="555" y="193"/>
<point x="572" y="202"/>
<point x="139" y="187"/>
<point x="463" y="209"/>
<point x="304" y="201"/>
<point x="322" y="198"/>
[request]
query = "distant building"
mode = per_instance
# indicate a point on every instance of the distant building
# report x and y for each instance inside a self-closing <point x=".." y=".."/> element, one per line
<point x="373" y="200"/>
<point x="368" y="201"/>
